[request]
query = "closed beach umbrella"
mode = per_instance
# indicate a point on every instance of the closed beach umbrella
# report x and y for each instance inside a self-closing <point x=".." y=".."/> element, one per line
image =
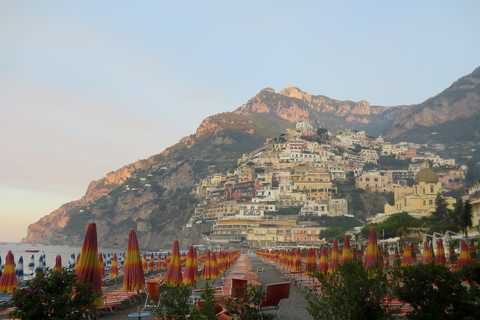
<point x="31" y="264"/>
<point x="8" y="281"/>
<point x="407" y="256"/>
<point x="372" y="255"/>
<point x="19" y="269"/>
<point x="334" y="256"/>
<point x="441" y="253"/>
<point x="173" y="277"/>
<point x="452" y="257"/>
<point x="323" y="260"/>
<point x="71" y="262"/>
<point x="144" y="262"/>
<point x="207" y="269"/>
<point x="214" y="265"/>
<point x="58" y="263"/>
<point x="297" y="263"/>
<point x="464" y="258"/>
<point x="159" y="262"/>
<point x="473" y="253"/>
<point x="311" y="266"/>
<point x="397" y="262"/>
<point x="347" y="250"/>
<point x="426" y="254"/>
<point x="151" y="263"/>
<point x="134" y="278"/>
<point x="88" y="268"/>
<point x="114" y="267"/>
<point x="101" y="266"/>
<point x="40" y="265"/>
<point x="189" y="275"/>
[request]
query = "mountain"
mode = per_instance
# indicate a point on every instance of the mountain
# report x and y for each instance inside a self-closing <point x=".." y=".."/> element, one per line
<point x="154" y="195"/>
<point x="449" y="118"/>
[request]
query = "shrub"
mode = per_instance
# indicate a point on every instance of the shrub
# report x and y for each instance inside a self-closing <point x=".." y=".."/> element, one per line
<point x="50" y="296"/>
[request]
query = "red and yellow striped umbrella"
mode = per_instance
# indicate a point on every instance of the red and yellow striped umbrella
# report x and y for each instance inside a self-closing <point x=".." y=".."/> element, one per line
<point x="347" y="250"/>
<point x="102" y="265"/>
<point x="311" y="266"/>
<point x="114" y="267"/>
<point x="207" y="269"/>
<point x="134" y="279"/>
<point x="189" y="275"/>
<point x="9" y="282"/>
<point x="323" y="260"/>
<point x="372" y="255"/>
<point x="144" y="262"/>
<point x="426" y="254"/>
<point x="159" y="262"/>
<point x="441" y="253"/>
<point x="174" y="272"/>
<point x="464" y="258"/>
<point x="407" y="259"/>
<point x="214" y="266"/>
<point x="88" y="268"/>
<point x="151" y="264"/>
<point x="58" y="263"/>
<point x="195" y="264"/>
<point x="297" y="263"/>
<point x="334" y="256"/>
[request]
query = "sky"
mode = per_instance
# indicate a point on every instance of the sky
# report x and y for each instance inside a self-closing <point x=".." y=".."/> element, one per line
<point x="87" y="87"/>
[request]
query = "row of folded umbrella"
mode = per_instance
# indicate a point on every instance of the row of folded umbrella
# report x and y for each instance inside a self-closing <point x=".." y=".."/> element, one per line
<point x="292" y="259"/>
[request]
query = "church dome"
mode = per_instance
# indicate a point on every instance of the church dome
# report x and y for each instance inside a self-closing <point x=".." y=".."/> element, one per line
<point x="426" y="175"/>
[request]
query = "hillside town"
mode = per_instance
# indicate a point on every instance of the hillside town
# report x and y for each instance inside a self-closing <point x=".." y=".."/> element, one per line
<point x="257" y="203"/>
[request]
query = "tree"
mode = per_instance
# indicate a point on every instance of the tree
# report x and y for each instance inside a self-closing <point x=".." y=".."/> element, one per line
<point x="441" y="212"/>
<point x="352" y="292"/>
<point x="464" y="215"/>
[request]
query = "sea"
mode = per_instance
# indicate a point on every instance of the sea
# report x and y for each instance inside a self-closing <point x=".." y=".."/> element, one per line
<point x="50" y="252"/>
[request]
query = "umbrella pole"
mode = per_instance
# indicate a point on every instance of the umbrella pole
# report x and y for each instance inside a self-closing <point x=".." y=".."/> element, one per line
<point x="138" y="300"/>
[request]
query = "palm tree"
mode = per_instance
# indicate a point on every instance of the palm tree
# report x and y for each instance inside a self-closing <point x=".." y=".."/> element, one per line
<point x="464" y="214"/>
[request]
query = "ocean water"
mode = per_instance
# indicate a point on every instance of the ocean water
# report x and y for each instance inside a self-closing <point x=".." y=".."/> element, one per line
<point x="50" y="251"/>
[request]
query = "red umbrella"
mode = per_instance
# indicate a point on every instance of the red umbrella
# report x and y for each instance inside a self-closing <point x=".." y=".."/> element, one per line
<point x="311" y="266"/>
<point x="189" y="275"/>
<point x="174" y="272"/>
<point x="426" y="254"/>
<point x="334" y="255"/>
<point x="114" y="267"/>
<point x="347" y="250"/>
<point x="214" y="266"/>
<point x="464" y="258"/>
<point x="297" y="264"/>
<point x="323" y="260"/>
<point x="102" y="265"/>
<point x="144" y="262"/>
<point x="151" y="264"/>
<point x="407" y="259"/>
<point x="372" y="255"/>
<point x="133" y="279"/>
<point x="159" y="262"/>
<point x="58" y="263"/>
<point x="88" y="268"/>
<point x="8" y="282"/>
<point x="441" y="253"/>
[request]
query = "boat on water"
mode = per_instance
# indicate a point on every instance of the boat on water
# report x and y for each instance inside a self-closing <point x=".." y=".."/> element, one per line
<point x="30" y="250"/>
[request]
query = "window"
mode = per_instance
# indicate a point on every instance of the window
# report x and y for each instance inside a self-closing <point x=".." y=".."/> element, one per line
<point x="430" y="202"/>
<point x="431" y="189"/>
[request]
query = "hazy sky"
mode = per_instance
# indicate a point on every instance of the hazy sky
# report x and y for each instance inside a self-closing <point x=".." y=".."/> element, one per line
<point x="87" y="87"/>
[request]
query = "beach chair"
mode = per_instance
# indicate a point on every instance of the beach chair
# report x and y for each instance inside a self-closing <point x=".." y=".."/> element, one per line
<point x="237" y="283"/>
<point x="153" y="295"/>
<point x="276" y="292"/>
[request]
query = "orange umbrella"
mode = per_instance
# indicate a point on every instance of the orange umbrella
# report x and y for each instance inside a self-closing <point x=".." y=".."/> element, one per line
<point x="114" y="267"/>
<point x="174" y="273"/>
<point x="407" y="259"/>
<point x="189" y="275"/>
<point x="8" y="282"/>
<point x="334" y="255"/>
<point x="144" y="262"/>
<point x="151" y="264"/>
<point x="134" y="278"/>
<point x="347" y="250"/>
<point x="102" y="265"/>
<point x="58" y="263"/>
<point x="372" y="255"/>
<point x="159" y="262"/>
<point x="441" y="253"/>
<point x="323" y="260"/>
<point x="88" y="268"/>
<point x="464" y="258"/>
<point x="207" y="272"/>
<point x="426" y="254"/>
<point x="311" y="266"/>
<point x="214" y="265"/>
<point x="297" y="264"/>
